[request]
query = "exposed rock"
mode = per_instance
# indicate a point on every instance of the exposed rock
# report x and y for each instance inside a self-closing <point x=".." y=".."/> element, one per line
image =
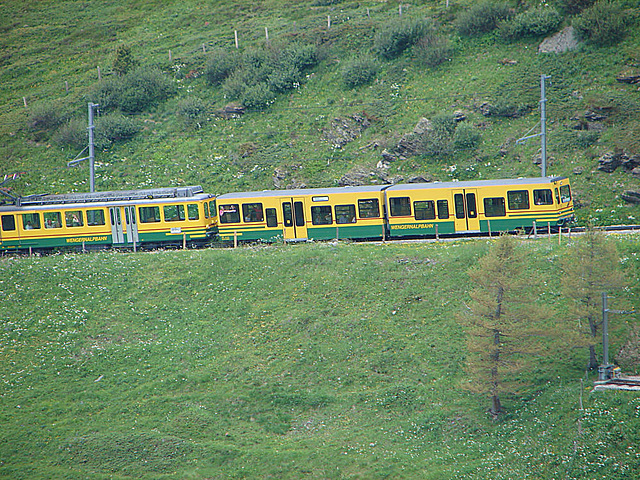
<point x="459" y="116"/>
<point x="506" y="146"/>
<point x="632" y="79"/>
<point x="382" y="165"/>
<point x="630" y="162"/>
<point x="279" y="177"/>
<point x="562" y="41"/>
<point x="345" y="129"/>
<point x="231" y="110"/>
<point x="388" y="157"/>
<point x="423" y="126"/>
<point x="408" y="145"/>
<point x="609" y="162"/>
<point x="631" y="196"/>
<point x="486" y="109"/>
<point x="419" y="179"/>
<point x="354" y="178"/>
<point x="636" y="172"/>
<point x="591" y="116"/>
<point x="578" y="171"/>
<point x="506" y="61"/>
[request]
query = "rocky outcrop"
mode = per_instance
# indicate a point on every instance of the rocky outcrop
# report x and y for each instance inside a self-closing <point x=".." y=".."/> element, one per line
<point x="610" y="161"/>
<point x="562" y="41"/>
<point x="345" y="129"/>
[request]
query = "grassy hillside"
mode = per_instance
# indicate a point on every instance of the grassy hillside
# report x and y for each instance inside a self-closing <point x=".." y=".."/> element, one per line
<point x="298" y="361"/>
<point x="52" y="50"/>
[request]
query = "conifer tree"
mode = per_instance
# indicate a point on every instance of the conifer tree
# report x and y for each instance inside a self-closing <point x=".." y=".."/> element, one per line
<point x="502" y="322"/>
<point x="590" y="267"/>
<point x="123" y="61"/>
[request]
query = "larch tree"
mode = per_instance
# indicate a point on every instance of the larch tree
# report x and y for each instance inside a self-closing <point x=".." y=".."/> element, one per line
<point x="502" y="322"/>
<point x="590" y="267"/>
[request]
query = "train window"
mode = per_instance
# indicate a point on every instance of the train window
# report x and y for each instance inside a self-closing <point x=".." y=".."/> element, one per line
<point x="345" y="213"/>
<point x="206" y="210"/>
<point x="95" y="217"/>
<point x="252" y="212"/>
<point x="400" y="206"/>
<point x="321" y="215"/>
<point x="52" y="220"/>
<point x="459" y="203"/>
<point x="192" y="211"/>
<point x="287" y="214"/>
<point x="494" y="207"/>
<point x="565" y="193"/>
<point x="272" y="217"/>
<point x="31" y="221"/>
<point x="543" y="197"/>
<point x="518" y="199"/>
<point x="229" y="213"/>
<point x="173" y="213"/>
<point x="149" y="214"/>
<point x="8" y="223"/>
<point x="557" y="195"/>
<point x="471" y="205"/>
<point x="73" y="218"/>
<point x="212" y="208"/>
<point x="443" y="209"/>
<point x="298" y="214"/>
<point x="424" y="210"/>
<point x="323" y="198"/>
<point x="369" y="208"/>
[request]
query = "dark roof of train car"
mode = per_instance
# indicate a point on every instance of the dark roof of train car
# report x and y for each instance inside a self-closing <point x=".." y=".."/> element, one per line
<point x="303" y="191"/>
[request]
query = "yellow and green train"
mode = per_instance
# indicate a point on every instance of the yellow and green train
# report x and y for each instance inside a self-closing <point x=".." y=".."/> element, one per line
<point x="396" y="211"/>
<point x="126" y="218"/>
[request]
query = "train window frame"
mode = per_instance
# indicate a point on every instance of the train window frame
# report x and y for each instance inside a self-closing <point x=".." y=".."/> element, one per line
<point x="272" y="217"/>
<point x="31" y="221"/>
<point x="252" y="212"/>
<point x="424" y="210"/>
<point x="565" y="193"/>
<point x="73" y="219"/>
<point x="323" y="198"/>
<point x="345" y="213"/>
<point x="229" y="213"/>
<point x="400" y="206"/>
<point x="213" y="210"/>
<point x="173" y="216"/>
<point x="287" y="214"/>
<point x="193" y="212"/>
<point x="368" y="208"/>
<point x="542" y="196"/>
<point x="518" y="199"/>
<point x="321" y="215"/>
<point x="442" y="207"/>
<point x="494" y="207"/>
<point x="95" y="217"/>
<point x="8" y="223"/>
<point x="206" y="209"/>
<point x="52" y="219"/>
<point x="471" y="205"/>
<point x="150" y="214"/>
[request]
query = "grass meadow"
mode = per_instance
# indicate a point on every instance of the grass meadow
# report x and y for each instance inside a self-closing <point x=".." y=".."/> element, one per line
<point x="323" y="360"/>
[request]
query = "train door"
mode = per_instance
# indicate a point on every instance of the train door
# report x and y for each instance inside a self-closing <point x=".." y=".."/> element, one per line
<point x="466" y="210"/>
<point x="294" y="226"/>
<point x="131" y="223"/>
<point x="117" y="228"/>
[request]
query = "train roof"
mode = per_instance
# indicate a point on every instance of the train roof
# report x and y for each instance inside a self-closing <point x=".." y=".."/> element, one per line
<point x="303" y="191"/>
<point x="478" y="183"/>
<point x="113" y="196"/>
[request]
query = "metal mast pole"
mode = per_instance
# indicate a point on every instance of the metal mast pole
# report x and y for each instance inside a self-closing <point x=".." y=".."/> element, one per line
<point x="92" y="156"/>
<point x="605" y="330"/>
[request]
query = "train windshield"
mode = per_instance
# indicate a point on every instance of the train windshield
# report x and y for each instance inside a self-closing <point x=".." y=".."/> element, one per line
<point x="565" y="193"/>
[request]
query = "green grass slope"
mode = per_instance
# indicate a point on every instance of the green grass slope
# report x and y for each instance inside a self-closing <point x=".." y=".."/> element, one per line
<point x="51" y="52"/>
<point x="298" y="361"/>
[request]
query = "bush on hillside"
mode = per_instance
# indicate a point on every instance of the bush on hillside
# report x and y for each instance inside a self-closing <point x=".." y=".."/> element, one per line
<point x="466" y="137"/>
<point x="43" y="118"/>
<point x="257" y="97"/>
<point x="72" y="134"/>
<point x="433" y="50"/>
<point x="399" y="35"/>
<point x="113" y="128"/>
<point x="532" y="23"/>
<point x="602" y="24"/>
<point x="573" y="7"/>
<point x="359" y="71"/>
<point x="482" y="18"/>
<point x="123" y="61"/>
<point x="220" y="65"/>
<point x="134" y="92"/>
<point x="192" y="111"/>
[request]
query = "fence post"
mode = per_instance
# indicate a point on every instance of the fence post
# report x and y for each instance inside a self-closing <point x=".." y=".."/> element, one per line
<point x="549" y="229"/>
<point x="235" y="34"/>
<point x="384" y="233"/>
<point x="489" y="227"/>
<point x="184" y="241"/>
<point x="266" y="33"/>
<point x="169" y="55"/>
<point x="99" y="74"/>
<point x="235" y="239"/>
<point x="535" y="230"/>
<point x="328" y="21"/>
<point x="337" y="233"/>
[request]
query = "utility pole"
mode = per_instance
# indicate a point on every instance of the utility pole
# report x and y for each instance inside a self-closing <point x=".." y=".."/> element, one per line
<point x="91" y="147"/>
<point x="543" y="125"/>
<point x="606" y="371"/>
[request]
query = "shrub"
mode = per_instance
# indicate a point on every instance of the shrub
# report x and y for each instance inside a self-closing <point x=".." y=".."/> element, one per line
<point x="359" y="71"/>
<point x="44" y="117"/>
<point x="220" y="64"/>
<point x="123" y="61"/>
<point x="234" y="86"/>
<point x="399" y="35"/>
<point x="300" y="56"/>
<point x="572" y="7"/>
<point x="443" y="123"/>
<point x="113" y="128"/>
<point x="466" y="137"/>
<point x="284" y="78"/>
<point x="532" y="23"/>
<point x="602" y="24"/>
<point x="482" y="18"/>
<point x="192" y="111"/>
<point x="257" y="97"/>
<point x="133" y="92"/>
<point x="72" y="134"/>
<point x="432" y="50"/>
<point x="507" y="109"/>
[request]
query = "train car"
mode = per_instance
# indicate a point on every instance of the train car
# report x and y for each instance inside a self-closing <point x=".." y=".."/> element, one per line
<point x="302" y="214"/>
<point x="126" y="218"/>
<point x="478" y="206"/>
